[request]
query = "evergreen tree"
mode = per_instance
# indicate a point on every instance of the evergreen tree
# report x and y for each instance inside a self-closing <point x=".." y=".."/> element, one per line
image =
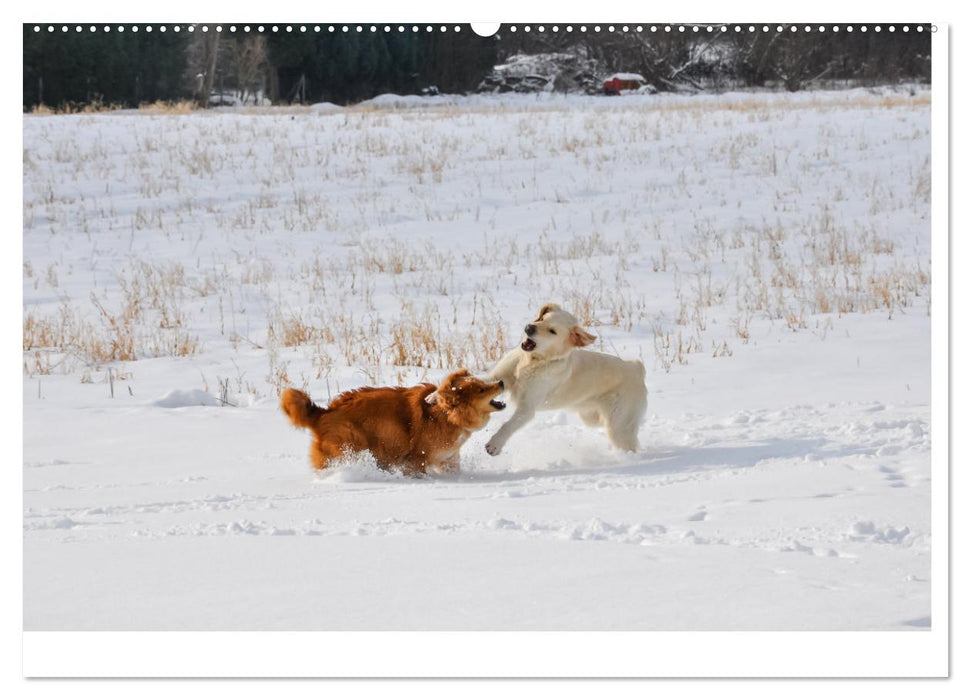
<point x="124" y="68"/>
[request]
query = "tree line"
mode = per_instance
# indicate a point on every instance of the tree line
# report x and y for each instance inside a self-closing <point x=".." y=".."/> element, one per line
<point x="791" y="58"/>
<point x="125" y="68"/>
<point x="129" y="68"/>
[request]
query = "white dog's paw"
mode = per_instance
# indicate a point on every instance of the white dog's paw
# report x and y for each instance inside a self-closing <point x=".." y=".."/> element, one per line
<point x="493" y="449"/>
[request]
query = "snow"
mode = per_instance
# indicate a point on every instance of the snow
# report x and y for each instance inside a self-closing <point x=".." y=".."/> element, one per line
<point x="627" y="76"/>
<point x="784" y="482"/>
<point x="392" y="101"/>
<point x="190" y="397"/>
<point x="325" y="107"/>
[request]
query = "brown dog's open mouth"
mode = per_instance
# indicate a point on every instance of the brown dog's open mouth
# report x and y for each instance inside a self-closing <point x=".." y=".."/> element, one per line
<point x="528" y="345"/>
<point x="498" y="405"/>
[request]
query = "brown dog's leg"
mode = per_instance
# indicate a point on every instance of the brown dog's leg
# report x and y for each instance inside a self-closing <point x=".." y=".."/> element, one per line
<point x="322" y="453"/>
<point x="449" y="466"/>
<point x="410" y="468"/>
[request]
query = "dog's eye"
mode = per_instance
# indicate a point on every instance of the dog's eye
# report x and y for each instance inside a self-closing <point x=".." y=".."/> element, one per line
<point x="552" y="331"/>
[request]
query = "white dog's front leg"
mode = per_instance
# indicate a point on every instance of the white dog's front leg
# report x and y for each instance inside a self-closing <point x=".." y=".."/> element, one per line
<point x="521" y="417"/>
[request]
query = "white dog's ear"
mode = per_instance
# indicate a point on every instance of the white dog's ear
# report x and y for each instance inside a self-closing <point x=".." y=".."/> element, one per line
<point x="580" y="337"/>
<point x="432" y="398"/>
<point x="546" y="309"/>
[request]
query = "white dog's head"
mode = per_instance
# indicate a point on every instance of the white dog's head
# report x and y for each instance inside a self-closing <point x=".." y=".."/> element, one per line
<point x="554" y="333"/>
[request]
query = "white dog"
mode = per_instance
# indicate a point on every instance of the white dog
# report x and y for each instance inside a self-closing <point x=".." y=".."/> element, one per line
<point x="548" y="372"/>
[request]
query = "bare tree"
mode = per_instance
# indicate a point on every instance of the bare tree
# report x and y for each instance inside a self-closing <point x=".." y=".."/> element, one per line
<point x="248" y="57"/>
<point x="202" y="64"/>
<point x="801" y="59"/>
<point x="753" y="56"/>
<point x="667" y="60"/>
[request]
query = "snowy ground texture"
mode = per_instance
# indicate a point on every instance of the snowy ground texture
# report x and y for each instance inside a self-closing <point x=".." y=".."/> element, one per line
<point x="766" y="256"/>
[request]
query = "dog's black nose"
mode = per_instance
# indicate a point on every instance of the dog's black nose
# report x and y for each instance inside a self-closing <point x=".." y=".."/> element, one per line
<point x="530" y="329"/>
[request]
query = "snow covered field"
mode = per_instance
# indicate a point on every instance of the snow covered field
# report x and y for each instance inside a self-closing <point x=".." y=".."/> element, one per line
<point x="766" y="256"/>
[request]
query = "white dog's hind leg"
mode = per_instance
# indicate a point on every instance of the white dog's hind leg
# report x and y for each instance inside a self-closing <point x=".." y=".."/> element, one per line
<point x="591" y="417"/>
<point x="623" y="437"/>
<point x="623" y="421"/>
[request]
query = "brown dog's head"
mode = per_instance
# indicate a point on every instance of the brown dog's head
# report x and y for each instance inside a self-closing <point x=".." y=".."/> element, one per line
<point x="554" y="333"/>
<point x="467" y="400"/>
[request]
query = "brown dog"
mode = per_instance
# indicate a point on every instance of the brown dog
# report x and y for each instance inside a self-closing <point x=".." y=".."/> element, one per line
<point x="416" y="428"/>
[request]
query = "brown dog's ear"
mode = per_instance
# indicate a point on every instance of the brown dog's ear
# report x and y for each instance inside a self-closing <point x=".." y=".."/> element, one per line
<point x="455" y="376"/>
<point x="546" y="309"/>
<point x="445" y="393"/>
<point x="580" y="337"/>
<point x="432" y="398"/>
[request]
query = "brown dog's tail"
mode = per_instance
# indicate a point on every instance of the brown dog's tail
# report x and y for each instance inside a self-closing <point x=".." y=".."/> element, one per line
<point x="301" y="411"/>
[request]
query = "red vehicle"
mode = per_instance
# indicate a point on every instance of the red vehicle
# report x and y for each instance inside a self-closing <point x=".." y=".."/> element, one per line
<point x="622" y="82"/>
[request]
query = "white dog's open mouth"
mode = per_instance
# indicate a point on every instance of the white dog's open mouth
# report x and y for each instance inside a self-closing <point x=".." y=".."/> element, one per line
<point x="528" y="345"/>
<point x="498" y="405"/>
